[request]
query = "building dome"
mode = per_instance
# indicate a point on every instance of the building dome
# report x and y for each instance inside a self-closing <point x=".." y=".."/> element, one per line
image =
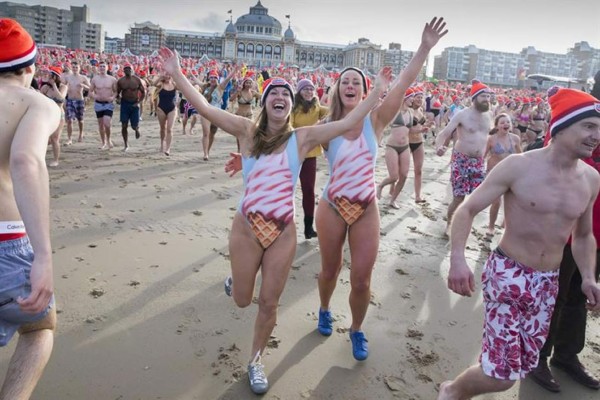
<point x="289" y="33"/>
<point x="230" y="28"/>
<point x="258" y="16"/>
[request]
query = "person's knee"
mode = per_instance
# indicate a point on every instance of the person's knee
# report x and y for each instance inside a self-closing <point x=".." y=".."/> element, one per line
<point x="267" y="305"/>
<point x="242" y="301"/>
<point x="46" y="323"/>
<point x="361" y="284"/>
<point x="329" y="274"/>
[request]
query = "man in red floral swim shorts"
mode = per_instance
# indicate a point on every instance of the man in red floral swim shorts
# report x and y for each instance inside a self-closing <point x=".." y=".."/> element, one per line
<point x="549" y="194"/>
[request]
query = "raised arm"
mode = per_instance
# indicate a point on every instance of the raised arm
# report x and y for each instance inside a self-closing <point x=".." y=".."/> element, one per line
<point x="385" y="113"/>
<point x="311" y="136"/>
<point x="31" y="188"/>
<point x="223" y="84"/>
<point x="498" y="182"/>
<point x="233" y="124"/>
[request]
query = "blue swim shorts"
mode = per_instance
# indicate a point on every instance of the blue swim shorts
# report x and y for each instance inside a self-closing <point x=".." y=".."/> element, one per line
<point x="16" y="257"/>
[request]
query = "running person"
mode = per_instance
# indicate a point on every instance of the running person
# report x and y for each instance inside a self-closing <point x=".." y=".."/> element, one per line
<point x="348" y="206"/>
<point x="76" y="84"/>
<point x="263" y="235"/>
<point x="501" y="143"/>
<point x="166" y="110"/>
<point x="104" y="90"/>
<point x="28" y="119"/>
<point x="53" y="88"/>
<point x="130" y="91"/>
<point x="549" y="194"/>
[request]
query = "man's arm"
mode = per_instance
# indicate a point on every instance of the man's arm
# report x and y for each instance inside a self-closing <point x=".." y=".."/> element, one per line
<point x="141" y="90"/>
<point x="584" y="247"/>
<point x="498" y="182"/>
<point x="446" y="132"/>
<point x="31" y="188"/>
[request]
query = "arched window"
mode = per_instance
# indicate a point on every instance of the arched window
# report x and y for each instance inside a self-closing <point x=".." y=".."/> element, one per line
<point x="241" y="50"/>
<point x="250" y="50"/>
<point x="259" y="51"/>
<point x="277" y="50"/>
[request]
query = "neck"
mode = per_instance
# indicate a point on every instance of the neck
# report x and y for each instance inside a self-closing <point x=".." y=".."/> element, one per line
<point x="561" y="159"/>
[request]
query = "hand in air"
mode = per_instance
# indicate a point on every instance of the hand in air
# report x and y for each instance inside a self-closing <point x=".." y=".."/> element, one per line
<point x="383" y="79"/>
<point x="170" y="61"/>
<point x="433" y="32"/>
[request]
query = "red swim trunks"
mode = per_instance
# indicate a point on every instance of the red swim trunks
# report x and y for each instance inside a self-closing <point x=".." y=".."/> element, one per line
<point x="519" y="302"/>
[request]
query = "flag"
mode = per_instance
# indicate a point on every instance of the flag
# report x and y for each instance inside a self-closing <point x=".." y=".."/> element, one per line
<point x="229" y="12"/>
<point x="288" y="16"/>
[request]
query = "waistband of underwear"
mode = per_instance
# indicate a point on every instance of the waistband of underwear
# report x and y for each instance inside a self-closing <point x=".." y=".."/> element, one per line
<point x="103" y="102"/>
<point x="12" y="227"/>
<point x="5" y="237"/>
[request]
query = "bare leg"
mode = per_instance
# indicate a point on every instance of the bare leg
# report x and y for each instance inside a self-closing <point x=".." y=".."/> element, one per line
<point x="107" y="122"/>
<point x="162" y="123"/>
<point x="102" y="134"/>
<point x="169" y="132"/>
<point x="124" y="134"/>
<point x="55" y="142"/>
<point x="403" y="166"/>
<point x="471" y="383"/>
<point x="80" y="124"/>
<point x="205" y="137"/>
<point x="391" y="161"/>
<point x="418" y="158"/>
<point x="69" y="132"/>
<point x="29" y="359"/>
<point x="493" y="216"/>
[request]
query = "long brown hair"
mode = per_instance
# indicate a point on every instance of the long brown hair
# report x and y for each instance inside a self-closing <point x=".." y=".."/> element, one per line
<point x="263" y="143"/>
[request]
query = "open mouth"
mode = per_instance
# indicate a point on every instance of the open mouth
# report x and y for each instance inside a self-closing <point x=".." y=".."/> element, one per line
<point x="278" y="106"/>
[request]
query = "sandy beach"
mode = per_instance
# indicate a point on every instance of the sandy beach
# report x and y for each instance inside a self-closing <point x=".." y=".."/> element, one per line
<point x="140" y="254"/>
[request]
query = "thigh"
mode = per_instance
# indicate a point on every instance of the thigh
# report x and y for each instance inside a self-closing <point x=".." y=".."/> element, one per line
<point x="363" y="240"/>
<point x="391" y="161"/>
<point x="308" y="171"/>
<point x="48" y="322"/>
<point x="332" y="234"/>
<point x="276" y="265"/>
<point x="404" y="162"/>
<point x="245" y="255"/>
<point x="419" y="156"/>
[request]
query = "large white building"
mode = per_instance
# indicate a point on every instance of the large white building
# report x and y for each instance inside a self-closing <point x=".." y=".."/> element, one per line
<point x="259" y="39"/>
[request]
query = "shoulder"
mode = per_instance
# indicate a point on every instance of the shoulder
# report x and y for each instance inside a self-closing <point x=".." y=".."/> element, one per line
<point x="514" y="137"/>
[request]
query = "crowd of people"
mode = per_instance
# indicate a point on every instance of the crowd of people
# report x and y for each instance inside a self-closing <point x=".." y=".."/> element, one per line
<point x="549" y="191"/>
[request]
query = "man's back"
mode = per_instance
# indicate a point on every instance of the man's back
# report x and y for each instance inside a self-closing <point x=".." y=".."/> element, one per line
<point x="28" y="118"/>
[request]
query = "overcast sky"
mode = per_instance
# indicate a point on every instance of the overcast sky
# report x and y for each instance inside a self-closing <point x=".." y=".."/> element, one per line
<point x="504" y="25"/>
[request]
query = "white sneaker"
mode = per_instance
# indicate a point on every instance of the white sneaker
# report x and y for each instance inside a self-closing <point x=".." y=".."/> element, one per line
<point x="256" y="376"/>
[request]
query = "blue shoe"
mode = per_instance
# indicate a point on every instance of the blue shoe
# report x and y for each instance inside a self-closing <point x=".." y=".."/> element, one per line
<point x="228" y="286"/>
<point x="325" y="322"/>
<point x="360" y="350"/>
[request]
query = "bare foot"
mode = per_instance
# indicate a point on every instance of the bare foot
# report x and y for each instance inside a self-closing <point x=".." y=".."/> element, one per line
<point x="80" y="139"/>
<point x="379" y="189"/>
<point x="137" y="134"/>
<point x="393" y="204"/>
<point x="444" y="393"/>
<point x="490" y="231"/>
<point x="104" y="147"/>
<point x="447" y="231"/>
<point x="205" y="158"/>
<point x="53" y="164"/>
<point x="125" y="149"/>
<point x="68" y="142"/>
<point x="111" y="145"/>
<point x="420" y="201"/>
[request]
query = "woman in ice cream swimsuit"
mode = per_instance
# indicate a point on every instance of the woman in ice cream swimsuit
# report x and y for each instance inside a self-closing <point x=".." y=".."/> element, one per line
<point x="263" y="235"/>
<point x="348" y="206"/>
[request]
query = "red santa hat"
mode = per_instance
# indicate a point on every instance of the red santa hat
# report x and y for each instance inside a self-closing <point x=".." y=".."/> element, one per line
<point x="18" y="48"/>
<point x="478" y="88"/>
<point x="568" y="106"/>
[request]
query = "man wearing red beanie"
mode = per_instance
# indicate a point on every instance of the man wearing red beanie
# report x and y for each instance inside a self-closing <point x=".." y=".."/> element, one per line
<point x="26" y="284"/>
<point x="549" y="195"/>
<point x="473" y="125"/>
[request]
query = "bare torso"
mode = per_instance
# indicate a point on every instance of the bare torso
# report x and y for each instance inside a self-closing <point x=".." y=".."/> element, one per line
<point x="541" y="208"/>
<point x="104" y="87"/>
<point x="130" y="87"/>
<point x="473" y="130"/>
<point x="75" y="85"/>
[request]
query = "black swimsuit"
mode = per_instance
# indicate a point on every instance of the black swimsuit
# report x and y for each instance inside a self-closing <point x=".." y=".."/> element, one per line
<point x="166" y="100"/>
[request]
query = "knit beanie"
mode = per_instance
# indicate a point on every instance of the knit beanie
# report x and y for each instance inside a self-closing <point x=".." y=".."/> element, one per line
<point x="17" y="48"/>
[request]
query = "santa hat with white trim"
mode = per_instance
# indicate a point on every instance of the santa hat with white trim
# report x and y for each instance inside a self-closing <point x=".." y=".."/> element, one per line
<point x="478" y="88"/>
<point x="17" y="48"/>
<point x="568" y="106"/>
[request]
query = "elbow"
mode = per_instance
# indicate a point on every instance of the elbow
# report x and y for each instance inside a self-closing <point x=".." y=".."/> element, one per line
<point x="21" y="161"/>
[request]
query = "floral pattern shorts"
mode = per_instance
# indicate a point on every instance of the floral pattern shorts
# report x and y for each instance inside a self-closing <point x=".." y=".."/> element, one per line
<point x="519" y="302"/>
<point x="466" y="173"/>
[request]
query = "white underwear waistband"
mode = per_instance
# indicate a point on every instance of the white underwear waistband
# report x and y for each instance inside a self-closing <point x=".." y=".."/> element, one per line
<point x="12" y="227"/>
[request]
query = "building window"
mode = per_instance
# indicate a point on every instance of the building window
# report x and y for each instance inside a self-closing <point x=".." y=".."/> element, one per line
<point x="277" y="50"/>
<point x="259" y="29"/>
<point x="250" y="50"/>
<point x="251" y="28"/>
<point x="241" y="50"/>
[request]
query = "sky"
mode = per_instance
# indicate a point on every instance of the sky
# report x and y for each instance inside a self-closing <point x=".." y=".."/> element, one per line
<point x="503" y="25"/>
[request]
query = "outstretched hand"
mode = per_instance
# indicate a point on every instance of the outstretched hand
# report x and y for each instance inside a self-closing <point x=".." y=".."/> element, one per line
<point x="433" y="32"/>
<point x="170" y="61"/>
<point x="383" y="79"/>
<point x="234" y="164"/>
